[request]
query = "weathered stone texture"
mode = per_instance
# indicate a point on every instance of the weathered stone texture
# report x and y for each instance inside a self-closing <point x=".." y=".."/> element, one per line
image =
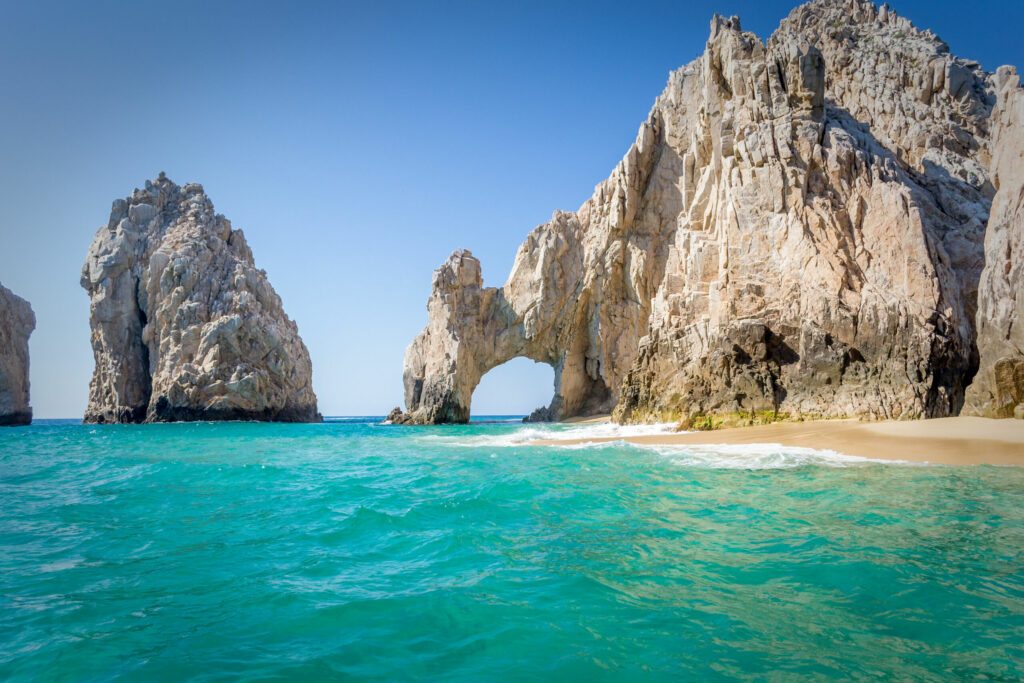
<point x="797" y="228"/>
<point x="17" y="321"/>
<point x="184" y="326"/>
<point x="998" y="388"/>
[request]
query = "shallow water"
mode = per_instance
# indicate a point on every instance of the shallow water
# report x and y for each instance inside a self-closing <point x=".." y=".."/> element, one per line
<point x="349" y="549"/>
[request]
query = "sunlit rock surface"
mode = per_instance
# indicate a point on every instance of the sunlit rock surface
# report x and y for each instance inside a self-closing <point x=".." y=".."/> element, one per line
<point x="998" y="388"/>
<point x="798" y="229"/>
<point x="184" y="326"/>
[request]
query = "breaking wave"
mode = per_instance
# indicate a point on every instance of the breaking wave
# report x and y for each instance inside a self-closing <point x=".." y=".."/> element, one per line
<point x="612" y="436"/>
<point x="757" y="456"/>
<point x="528" y="434"/>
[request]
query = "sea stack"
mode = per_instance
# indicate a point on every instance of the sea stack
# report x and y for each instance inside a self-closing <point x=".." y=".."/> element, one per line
<point x="797" y="230"/>
<point x="184" y="326"/>
<point x="16" y="324"/>
<point x="998" y="388"/>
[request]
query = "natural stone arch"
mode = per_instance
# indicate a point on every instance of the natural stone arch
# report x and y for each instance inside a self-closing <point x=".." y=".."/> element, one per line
<point x="775" y="240"/>
<point x="473" y="329"/>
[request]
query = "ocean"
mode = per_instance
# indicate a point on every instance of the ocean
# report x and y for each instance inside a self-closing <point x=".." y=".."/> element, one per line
<point x="354" y="550"/>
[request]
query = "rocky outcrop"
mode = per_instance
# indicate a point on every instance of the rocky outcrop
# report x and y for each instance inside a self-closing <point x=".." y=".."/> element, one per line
<point x="998" y="388"/>
<point x="16" y="324"/>
<point x="797" y="228"/>
<point x="184" y="326"/>
<point x="397" y="417"/>
<point x="542" y="414"/>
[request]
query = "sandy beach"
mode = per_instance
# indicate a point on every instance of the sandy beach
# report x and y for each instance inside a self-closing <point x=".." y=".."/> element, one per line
<point x="951" y="440"/>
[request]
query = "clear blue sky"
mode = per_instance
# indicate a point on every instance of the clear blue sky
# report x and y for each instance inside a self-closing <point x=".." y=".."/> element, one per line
<point x="357" y="144"/>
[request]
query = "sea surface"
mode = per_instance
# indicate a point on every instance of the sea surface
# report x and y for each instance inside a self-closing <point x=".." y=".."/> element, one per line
<point x="355" y="550"/>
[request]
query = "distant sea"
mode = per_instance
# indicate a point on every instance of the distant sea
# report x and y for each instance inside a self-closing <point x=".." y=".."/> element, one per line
<point x="353" y="550"/>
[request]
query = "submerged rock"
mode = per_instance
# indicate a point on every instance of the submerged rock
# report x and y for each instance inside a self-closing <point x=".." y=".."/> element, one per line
<point x="16" y="324"/>
<point x="798" y="227"/>
<point x="184" y="326"/>
<point x="998" y="388"/>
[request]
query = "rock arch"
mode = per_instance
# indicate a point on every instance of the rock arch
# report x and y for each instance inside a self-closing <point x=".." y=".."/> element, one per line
<point x="473" y="329"/>
<point x="780" y="237"/>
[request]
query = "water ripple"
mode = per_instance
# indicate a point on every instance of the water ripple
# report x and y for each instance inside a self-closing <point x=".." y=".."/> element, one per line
<point x="350" y="550"/>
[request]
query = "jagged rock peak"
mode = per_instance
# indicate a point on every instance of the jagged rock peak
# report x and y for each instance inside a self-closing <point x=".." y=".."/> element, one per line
<point x="797" y="229"/>
<point x="184" y="326"/>
<point x="16" y="324"/>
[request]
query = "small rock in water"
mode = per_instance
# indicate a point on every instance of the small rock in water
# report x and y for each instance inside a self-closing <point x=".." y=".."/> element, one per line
<point x="542" y="414"/>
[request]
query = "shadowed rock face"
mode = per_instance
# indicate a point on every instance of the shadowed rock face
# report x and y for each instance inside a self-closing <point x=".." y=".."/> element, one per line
<point x="998" y="388"/>
<point x="184" y="326"/>
<point x="16" y="324"/>
<point x="798" y="227"/>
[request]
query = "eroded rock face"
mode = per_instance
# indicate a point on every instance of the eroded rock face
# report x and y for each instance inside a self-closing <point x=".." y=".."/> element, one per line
<point x="184" y="326"/>
<point x="823" y="266"/>
<point x="798" y="227"/>
<point x="16" y="324"/>
<point x="998" y="388"/>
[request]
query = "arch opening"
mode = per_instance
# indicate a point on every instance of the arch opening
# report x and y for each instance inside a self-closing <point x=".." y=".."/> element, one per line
<point x="513" y="389"/>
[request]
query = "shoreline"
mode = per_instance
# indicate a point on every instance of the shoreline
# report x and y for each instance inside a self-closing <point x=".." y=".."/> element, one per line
<point x="947" y="441"/>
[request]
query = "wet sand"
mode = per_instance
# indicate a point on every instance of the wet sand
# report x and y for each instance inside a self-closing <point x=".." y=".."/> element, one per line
<point x="951" y="440"/>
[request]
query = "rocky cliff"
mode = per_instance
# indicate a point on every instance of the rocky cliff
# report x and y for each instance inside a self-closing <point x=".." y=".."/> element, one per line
<point x="184" y="326"/>
<point x="998" y="388"/>
<point x="798" y="228"/>
<point x="16" y="324"/>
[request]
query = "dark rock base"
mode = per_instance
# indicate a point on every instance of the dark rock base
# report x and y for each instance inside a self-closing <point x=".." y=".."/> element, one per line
<point x="165" y="412"/>
<point x="16" y="419"/>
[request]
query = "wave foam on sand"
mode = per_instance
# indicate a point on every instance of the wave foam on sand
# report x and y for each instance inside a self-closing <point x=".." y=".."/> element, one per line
<point x="759" y="456"/>
<point x="610" y="435"/>
<point x="571" y="435"/>
<point x="949" y="441"/>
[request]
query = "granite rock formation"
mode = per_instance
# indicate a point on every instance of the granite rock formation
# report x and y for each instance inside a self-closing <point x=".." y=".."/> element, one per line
<point x="798" y="228"/>
<point x="16" y="324"/>
<point x="998" y="388"/>
<point x="542" y="414"/>
<point x="397" y="417"/>
<point x="184" y="326"/>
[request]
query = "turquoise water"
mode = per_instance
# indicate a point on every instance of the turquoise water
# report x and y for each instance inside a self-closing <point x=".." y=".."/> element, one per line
<point x="353" y="550"/>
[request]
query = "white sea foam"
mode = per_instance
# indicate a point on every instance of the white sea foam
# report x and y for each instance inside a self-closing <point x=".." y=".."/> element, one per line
<point x="530" y="433"/>
<point x="741" y="456"/>
<point x="712" y="456"/>
<point x="757" y="456"/>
